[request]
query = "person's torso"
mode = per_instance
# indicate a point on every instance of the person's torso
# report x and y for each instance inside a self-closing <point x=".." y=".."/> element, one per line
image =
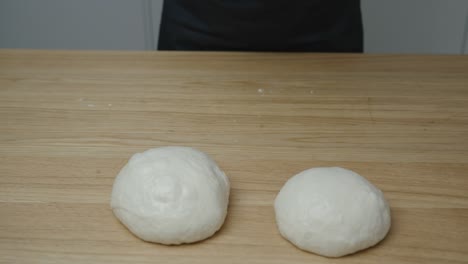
<point x="274" y="23"/>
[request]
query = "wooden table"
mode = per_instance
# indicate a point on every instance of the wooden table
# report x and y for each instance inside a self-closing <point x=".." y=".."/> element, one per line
<point x="70" y="120"/>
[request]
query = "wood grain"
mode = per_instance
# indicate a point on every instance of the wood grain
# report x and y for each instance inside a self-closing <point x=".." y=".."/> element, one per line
<point x="70" y="120"/>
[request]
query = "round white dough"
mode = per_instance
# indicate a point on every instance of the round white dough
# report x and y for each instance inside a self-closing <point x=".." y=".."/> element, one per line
<point x="331" y="212"/>
<point x="171" y="195"/>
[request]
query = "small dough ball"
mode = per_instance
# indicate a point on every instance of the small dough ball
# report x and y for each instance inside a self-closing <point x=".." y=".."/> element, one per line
<point x="331" y="212"/>
<point x="171" y="195"/>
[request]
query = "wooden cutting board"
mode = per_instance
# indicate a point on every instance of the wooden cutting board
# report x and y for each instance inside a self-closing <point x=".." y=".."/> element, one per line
<point x="70" y="120"/>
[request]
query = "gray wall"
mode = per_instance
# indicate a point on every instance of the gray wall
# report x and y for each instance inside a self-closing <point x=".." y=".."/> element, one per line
<point x="415" y="26"/>
<point x="397" y="26"/>
<point x="466" y="36"/>
<point x="71" y="24"/>
<point x="466" y="45"/>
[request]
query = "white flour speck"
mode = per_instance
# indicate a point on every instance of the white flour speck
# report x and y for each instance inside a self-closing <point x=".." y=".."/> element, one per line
<point x="312" y="92"/>
<point x="109" y="105"/>
<point x="260" y="90"/>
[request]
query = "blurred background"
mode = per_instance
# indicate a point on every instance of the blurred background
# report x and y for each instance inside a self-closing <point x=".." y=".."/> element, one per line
<point x="397" y="26"/>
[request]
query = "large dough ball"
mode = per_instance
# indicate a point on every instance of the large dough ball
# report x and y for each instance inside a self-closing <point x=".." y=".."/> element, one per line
<point x="171" y="195"/>
<point x="332" y="212"/>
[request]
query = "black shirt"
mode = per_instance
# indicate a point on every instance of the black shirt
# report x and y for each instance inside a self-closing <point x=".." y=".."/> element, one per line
<point x="256" y="25"/>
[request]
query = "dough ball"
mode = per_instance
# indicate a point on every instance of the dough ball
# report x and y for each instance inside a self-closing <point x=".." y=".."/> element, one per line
<point x="171" y="195"/>
<point x="331" y="212"/>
